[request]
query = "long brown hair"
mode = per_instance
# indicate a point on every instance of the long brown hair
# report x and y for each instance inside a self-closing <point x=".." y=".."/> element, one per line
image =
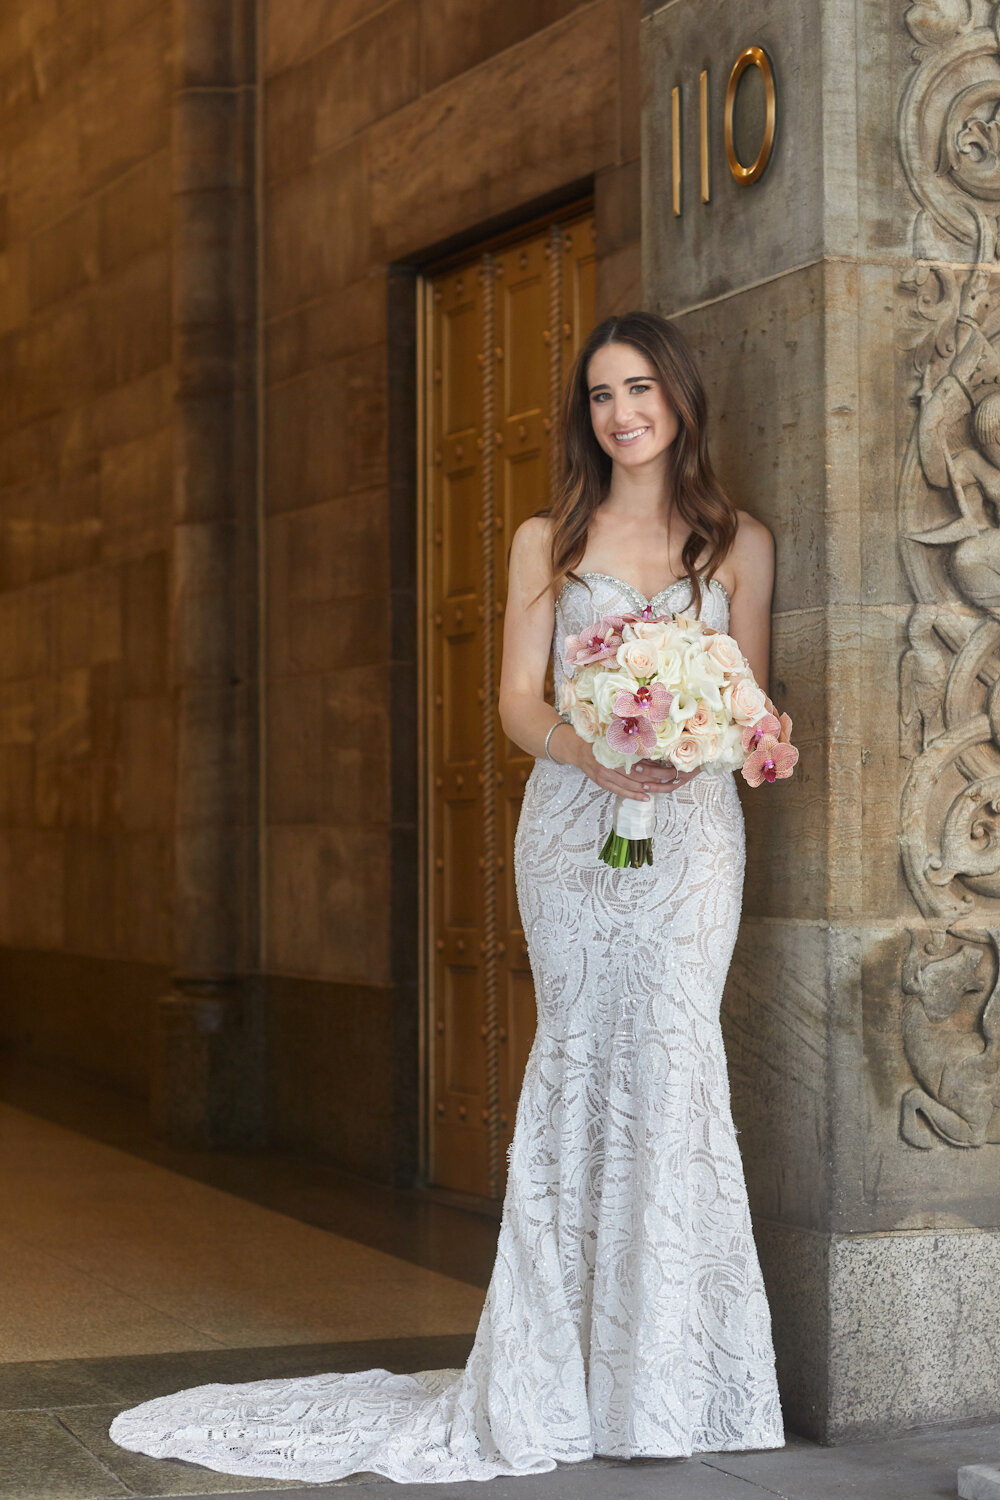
<point x="698" y="498"/>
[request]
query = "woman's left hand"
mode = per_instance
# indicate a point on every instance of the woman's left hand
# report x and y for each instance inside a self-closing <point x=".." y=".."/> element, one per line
<point x="660" y="776"/>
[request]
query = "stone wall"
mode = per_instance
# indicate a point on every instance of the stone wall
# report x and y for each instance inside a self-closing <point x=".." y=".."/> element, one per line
<point x="827" y="303"/>
<point x="86" y="728"/>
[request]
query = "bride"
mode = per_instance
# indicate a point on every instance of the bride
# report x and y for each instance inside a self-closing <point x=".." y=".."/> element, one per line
<point x="626" y="1314"/>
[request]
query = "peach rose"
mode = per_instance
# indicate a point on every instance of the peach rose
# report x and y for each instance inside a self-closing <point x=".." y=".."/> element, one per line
<point x="702" y="722"/>
<point x="745" y="701"/>
<point x="583" y="717"/>
<point x="724" y="650"/>
<point x="638" y="657"/>
<point x="688" y="753"/>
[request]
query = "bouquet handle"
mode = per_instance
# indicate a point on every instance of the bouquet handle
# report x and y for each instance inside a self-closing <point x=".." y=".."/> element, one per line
<point x="630" y="842"/>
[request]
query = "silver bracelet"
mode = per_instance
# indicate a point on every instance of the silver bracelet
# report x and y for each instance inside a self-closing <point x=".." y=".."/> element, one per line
<point x="548" y="753"/>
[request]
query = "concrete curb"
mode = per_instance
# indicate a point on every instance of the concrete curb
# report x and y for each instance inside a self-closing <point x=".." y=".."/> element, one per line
<point x="979" y="1482"/>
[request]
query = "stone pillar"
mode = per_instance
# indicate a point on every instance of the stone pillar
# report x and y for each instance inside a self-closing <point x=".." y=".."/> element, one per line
<point x="845" y="308"/>
<point x="207" y="1084"/>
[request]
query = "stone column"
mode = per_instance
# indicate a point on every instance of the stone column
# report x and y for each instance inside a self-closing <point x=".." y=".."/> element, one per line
<point x="844" y="307"/>
<point x="208" y="1049"/>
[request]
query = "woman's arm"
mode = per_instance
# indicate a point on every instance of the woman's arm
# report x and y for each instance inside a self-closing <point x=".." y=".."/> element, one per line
<point x="752" y="563"/>
<point x="527" y="640"/>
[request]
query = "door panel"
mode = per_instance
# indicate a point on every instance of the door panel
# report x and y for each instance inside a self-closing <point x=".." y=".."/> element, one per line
<point x="500" y="332"/>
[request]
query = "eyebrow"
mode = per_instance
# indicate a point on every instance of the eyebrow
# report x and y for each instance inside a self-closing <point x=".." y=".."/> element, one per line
<point x="632" y="380"/>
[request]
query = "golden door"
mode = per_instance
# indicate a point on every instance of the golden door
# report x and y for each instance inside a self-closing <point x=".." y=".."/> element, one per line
<point x="499" y="333"/>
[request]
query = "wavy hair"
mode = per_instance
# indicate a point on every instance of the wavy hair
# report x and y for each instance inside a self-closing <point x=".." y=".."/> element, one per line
<point x="698" y="498"/>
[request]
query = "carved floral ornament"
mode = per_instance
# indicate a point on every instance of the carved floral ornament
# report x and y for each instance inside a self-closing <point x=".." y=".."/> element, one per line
<point x="949" y="521"/>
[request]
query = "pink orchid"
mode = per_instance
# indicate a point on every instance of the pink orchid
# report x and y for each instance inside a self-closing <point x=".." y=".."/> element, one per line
<point x="596" y="643"/>
<point x="754" y="733"/>
<point x="771" y="761"/>
<point x="631" y="736"/>
<point x="651" y="703"/>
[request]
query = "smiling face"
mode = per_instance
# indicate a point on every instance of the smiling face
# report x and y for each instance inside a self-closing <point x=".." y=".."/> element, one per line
<point x="632" y="418"/>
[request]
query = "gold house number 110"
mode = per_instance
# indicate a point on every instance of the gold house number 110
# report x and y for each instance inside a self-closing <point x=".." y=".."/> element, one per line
<point x="750" y="57"/>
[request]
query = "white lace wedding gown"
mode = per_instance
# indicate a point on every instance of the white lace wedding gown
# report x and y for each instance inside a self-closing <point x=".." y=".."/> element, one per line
<point x="626" y="1314"/>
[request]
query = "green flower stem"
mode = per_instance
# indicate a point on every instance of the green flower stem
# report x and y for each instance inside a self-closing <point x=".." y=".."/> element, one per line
<point x="622" y="854"/>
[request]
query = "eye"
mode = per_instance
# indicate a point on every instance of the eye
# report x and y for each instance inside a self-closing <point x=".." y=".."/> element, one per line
<point x="637" y="389"/>
<point x="600" y="396"/>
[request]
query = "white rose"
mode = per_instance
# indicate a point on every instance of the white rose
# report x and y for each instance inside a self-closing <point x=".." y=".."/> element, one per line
<point x="607" y="686"/>
<point x="638" y="657"/>
<point x="583" y="683"/>
<point x="667" y="735"/>
<point x="745" y="701"/>
<point x="703" y="683"/>
<point x="568" y="697"/>
<point x="613" y="759"/>
<point x="724" y="650"/>
<point x="687" y="754"/>
<point x="583" y="717"/>
<point x="669" y="667"/>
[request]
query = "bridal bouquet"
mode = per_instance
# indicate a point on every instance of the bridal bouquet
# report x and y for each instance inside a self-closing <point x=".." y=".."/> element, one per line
<point x="668" y="688"/>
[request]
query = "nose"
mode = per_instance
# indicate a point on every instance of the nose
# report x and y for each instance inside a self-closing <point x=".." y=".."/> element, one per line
<point x="623" y="411"/>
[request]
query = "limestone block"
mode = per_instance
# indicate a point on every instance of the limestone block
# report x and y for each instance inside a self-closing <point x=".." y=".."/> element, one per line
<point x="465" y="33"/>
<point x="131" y="322"/>
<point x="298" y="28"/>
<point x="146" y="763"/>
<point x="65" y="258"/>
<point x="787" y="836"/>
<point x="54" y="360"/>
<point x="979" y="1482"/>
<point x="629" y="83"/>
<point x="795" y="1265"/>
<point x="17" y="785"/>
<point x="369" y="72"/>
<point x="336" y="549"/>
<point x="143" y="896"/>
<point x="357" y="735"/>
<point x="316" y="228"/>
<point x="17" y="713"/>
<point x="325" y="1095"/>
<point x="308" y="637"/>
<point x="328" y="914"/>
<point x="297" y="775"/>
<point x="326" y="433"/>
<point x="44" y="168"/>
<point x="123" y="93"/>
<point x="775" y="1026"/>
<point x="619" y="281"/>
<point x="559" y="85"/>
<point x="145" y="623"/>
<point x="135" y="213"/>
<point x="89" y="922"/>
<point x="130" y="410"/>
<point x="136" y="485"/>
<point x="767" y="433"/>
<point x="914" y="1323"/>
<point x="120" y="15"/>
<point x="86" y="619"/>
<point x="35" y="895"/>
<point x="617" y="208"/>
<point x="15" y="270"/>
<point x="62" y="48"/>
<point x="350" y="319"/>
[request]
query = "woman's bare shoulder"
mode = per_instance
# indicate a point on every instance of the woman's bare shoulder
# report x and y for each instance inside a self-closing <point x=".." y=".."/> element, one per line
<point x="752" y="554"/>
<point x="531" y="547"/>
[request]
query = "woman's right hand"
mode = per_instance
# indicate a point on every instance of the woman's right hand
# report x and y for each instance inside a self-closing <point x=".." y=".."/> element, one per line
<point x="572" y="749"/>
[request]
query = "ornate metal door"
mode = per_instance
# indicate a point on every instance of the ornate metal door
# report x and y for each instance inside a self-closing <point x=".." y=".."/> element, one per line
<point x="499" y="332"/>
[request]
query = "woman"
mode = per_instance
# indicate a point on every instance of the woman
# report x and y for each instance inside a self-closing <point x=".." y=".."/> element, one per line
<point x="626" y="1314"/>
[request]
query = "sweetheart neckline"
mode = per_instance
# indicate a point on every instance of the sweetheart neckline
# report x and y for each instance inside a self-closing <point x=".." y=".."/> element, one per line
<point x="630" y="588"/>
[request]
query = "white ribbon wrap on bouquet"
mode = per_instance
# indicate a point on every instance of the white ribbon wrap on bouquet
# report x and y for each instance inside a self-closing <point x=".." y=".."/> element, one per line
<point x="634" y="820"/>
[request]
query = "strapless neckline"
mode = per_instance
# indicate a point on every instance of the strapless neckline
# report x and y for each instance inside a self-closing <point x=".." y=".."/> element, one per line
<point x="636" y="595"/>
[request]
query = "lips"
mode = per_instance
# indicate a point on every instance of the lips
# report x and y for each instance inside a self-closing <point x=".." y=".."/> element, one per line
<point x="629" y="437"/>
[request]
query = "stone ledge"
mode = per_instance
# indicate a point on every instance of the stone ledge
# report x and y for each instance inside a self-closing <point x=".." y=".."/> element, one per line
<point x="979" y="1482"/>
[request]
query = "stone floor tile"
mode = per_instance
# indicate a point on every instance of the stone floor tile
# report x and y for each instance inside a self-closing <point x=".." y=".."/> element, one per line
<point x="979" y="1482"/>
<point x="41" y="1460"/>
<point x="917" y="1466"/>
<point x="51" y="1309"/>
<point x="134" y="1378"/>
<point x="140" y="1475"/>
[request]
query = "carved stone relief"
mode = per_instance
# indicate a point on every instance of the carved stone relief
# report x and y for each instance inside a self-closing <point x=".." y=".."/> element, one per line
<point x="949" y="518"/>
